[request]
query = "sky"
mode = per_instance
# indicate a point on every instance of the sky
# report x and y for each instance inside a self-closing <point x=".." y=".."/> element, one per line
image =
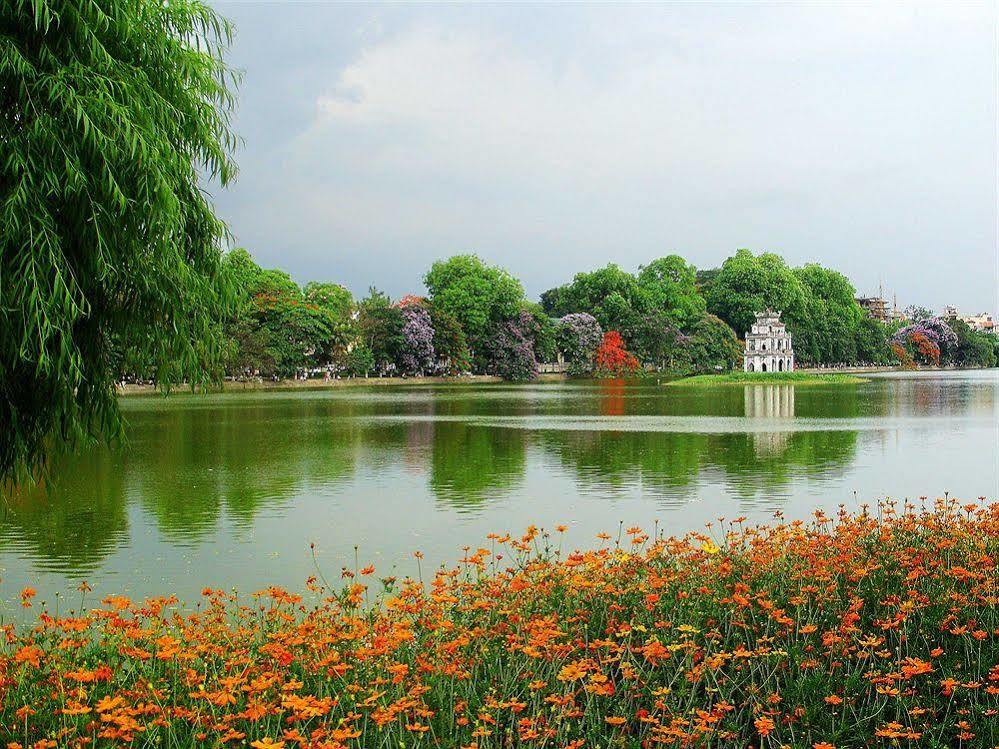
<point x="553" y="139"/>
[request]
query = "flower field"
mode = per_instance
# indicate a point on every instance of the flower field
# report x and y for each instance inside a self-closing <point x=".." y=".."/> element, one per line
<point x="875" y="629"/>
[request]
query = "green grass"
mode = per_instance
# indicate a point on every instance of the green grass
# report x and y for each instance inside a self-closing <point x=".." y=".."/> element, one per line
<point x="767" y="378"/>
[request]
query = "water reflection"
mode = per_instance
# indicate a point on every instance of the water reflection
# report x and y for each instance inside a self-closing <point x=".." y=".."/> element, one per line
<point x="769" y="402"/>
<point x="197" y="470"/>
<point x="667" y="465"/>
<point x="470" y="464"/>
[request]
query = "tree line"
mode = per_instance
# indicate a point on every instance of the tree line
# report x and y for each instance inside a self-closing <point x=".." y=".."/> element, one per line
<point x="475" y="318"/>
<point x="113" y="116"/>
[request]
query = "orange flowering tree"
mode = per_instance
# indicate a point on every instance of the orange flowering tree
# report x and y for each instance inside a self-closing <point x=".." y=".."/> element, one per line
<point x="926" y="350"/>
<point x="902" y="354"/>
<point x="860" y="630"/>
<point x="613" y="358"/>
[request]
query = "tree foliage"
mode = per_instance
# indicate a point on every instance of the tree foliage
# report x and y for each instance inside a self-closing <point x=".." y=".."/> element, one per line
<point x="478" y="295"/>
<point x="110" y="112"/>
<point x="973" y="349"/>
<point x="277" y="328"/>
<point x="747" y="284"/>
<point x="450" y="343"/>
<point x="654" y="339"/>
<point x="713" y="346"/>
<point x="380" y="329"/>
<point x="668" y="287"/>
<point x="610" y="294"/>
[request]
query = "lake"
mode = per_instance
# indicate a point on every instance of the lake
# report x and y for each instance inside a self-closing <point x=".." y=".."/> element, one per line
<point x="230" y="490"/>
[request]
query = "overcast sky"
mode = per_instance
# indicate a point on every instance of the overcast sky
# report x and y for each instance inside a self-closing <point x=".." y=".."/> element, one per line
<point x="556" y="138"/>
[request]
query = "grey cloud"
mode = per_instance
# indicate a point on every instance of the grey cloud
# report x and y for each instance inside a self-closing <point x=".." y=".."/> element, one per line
<point x="556" y="138"/>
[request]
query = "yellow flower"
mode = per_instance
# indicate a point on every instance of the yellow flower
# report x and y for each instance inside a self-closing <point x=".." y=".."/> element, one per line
<point x="710" y="547"/>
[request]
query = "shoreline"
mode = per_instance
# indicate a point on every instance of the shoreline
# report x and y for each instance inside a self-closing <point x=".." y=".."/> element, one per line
<point x="236" y="386"/>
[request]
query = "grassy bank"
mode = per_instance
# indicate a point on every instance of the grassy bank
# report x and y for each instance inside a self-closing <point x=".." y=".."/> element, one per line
<point x="875" y="629"/>
<point x="767" y="378"/>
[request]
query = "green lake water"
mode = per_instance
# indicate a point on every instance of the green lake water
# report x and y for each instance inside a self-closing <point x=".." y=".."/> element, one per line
<point x="230" y="490"/>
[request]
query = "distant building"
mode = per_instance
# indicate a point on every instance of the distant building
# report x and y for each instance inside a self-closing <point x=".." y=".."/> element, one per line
<point x="981" y="322"/>
<point x="768" y="345"/>
<point x="879" y="309"/>
<point x="875" y="306"/>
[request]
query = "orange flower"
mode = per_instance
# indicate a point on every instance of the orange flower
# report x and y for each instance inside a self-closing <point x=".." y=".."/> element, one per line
<point x="267" y="743"/>
<point x="764" y="726"/>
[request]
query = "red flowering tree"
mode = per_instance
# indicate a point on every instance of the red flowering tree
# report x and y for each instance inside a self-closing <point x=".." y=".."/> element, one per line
<point x="613" y="358"/>
<point x="926" y="350"/>
<point x="903" y="356"/>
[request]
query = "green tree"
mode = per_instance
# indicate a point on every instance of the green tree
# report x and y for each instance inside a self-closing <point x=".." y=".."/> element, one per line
<point x="110" y="113"/>
<point x="248" y="346"/>
<point x="747" y="284"/>
<point x="332" y="297"/>
<point x="544" y="332"/>
<point x="609" y="294"/>
<point x="668" y="286"/>
<point x="359" y="361"/>
<point x="380" y="330"/>
<point x="298" y="334"/>
<point x="871" y="341"/>
<point x="334" y="305"/>
<point x="656" y="340"/>
<point x="917" y="313"/>
<point x="973" y="349"/>
<point x="713" y="345"/>
<point x="477" y="294"/>
<point x="826" y="334"/>
<point x="706" y="279"/>
<point x="449" y="341"/>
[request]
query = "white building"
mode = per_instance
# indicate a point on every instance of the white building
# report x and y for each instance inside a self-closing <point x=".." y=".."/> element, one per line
<point x="768" y="345"/>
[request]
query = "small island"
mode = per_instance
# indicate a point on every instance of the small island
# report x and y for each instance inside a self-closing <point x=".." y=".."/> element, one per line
<point x="767" y="378"/>
<point x="769" y="360"/>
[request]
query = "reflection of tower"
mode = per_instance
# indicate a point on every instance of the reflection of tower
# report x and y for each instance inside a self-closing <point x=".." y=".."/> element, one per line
<point x="769" y="402"/>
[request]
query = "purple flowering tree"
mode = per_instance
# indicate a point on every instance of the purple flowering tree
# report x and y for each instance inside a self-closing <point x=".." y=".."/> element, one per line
<point x="416" y="355"/>
<point x="578" y="336"/>
<point x="936" y="331"/>
<point x="510" y="350"/>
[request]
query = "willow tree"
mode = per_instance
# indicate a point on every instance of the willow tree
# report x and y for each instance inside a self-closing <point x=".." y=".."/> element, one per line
<point x="112" y="114"/>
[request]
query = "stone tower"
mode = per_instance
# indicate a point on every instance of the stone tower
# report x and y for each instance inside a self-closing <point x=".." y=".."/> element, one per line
<point x="768" y="345"/>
